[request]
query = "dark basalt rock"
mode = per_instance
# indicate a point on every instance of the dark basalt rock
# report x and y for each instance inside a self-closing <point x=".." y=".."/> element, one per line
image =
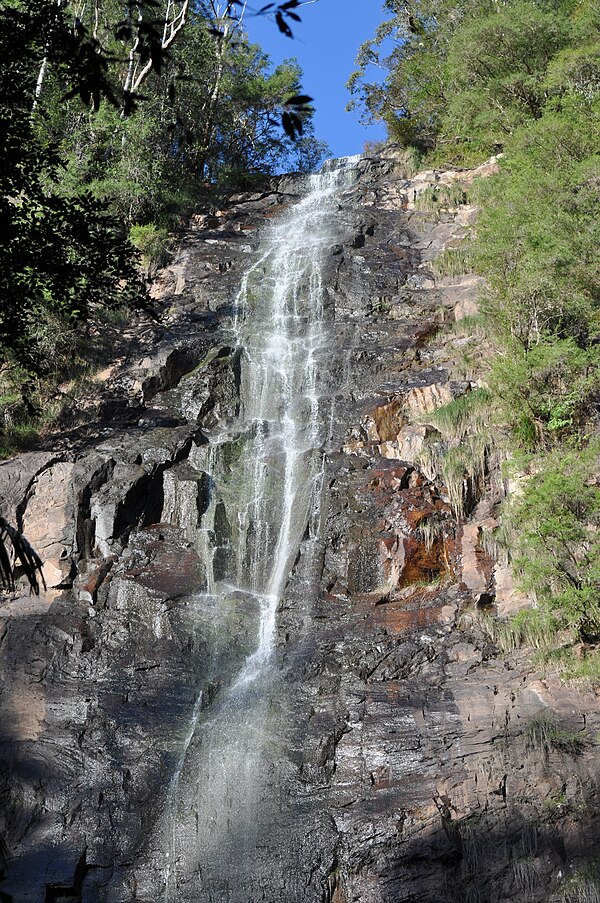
<point x="400" y="764"/>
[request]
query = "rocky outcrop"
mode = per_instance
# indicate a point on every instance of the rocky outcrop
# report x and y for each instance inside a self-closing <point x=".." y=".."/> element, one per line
<point x="408" y="758"/>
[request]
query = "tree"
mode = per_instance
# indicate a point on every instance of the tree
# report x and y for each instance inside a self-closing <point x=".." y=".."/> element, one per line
<point x="85" y="155"/>
<point x="411" y="48"/>
<point x="72" y="71"/>
<point x="212" y="115"/>
<point x="62" y="256"/>
<point x="108" y="49"/>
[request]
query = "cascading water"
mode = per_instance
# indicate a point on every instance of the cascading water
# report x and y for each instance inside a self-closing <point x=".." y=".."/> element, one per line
<point x="265" y="472"/>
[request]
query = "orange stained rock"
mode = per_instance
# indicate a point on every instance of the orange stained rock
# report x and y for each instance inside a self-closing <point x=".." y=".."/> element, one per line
<point x="422" y="564"/>
<point x="383" y="421"/>
<point x="397" y="620"/>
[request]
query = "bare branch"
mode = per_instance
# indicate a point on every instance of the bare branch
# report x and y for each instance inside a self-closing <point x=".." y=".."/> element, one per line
<point x="132" y="53"/>
<point x="175" y="19"/>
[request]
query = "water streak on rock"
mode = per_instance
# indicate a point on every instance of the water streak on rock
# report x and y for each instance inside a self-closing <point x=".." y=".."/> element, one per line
<point x="265" y="471"/>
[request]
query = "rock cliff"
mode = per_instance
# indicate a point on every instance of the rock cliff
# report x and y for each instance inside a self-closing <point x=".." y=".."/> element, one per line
<point x="404" y="756"/>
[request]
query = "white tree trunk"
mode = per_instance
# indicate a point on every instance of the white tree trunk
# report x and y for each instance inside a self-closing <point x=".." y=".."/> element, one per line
<point x="176" y="14"/>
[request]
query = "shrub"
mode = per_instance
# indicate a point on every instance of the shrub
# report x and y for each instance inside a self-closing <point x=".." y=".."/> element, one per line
<point x="553" y="529"/>
<point x="153" y="244"/>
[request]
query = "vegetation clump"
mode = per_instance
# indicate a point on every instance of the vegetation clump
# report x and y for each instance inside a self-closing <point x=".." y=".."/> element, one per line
<point x="583" y="886"/>
<point x="544" y="732"/>
<point x="441" y="198"/>
<point x="555" y="541"/>
<point x="453" y="262"/>
<point x="458" y="450"/>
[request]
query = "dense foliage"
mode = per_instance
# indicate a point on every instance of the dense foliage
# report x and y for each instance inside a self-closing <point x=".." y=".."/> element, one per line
<point x="555" y="540"/>
<point x="61" y="255"/>
<point x="208" y="117"/>
<point x="463" y="75"/>
<point x="466" y="79"/>
<point x="537" y="246"/>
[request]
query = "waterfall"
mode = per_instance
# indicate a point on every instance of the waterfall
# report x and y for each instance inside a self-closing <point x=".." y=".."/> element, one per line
<point x="265" y="472"/>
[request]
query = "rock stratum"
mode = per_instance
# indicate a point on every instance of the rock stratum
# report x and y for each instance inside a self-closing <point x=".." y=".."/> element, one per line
<point x="402" y="755"/>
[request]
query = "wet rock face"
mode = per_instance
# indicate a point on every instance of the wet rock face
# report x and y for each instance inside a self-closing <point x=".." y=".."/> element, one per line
<point x="405" y="758"/>
<point x="100" y="673"/>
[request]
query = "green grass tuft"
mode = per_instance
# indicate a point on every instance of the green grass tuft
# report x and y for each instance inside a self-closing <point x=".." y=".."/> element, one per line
<point x="545" y="732"/>
<point x="441" y="198"/>
<point x="453" y="262"/>
<point x="470" y="412"/>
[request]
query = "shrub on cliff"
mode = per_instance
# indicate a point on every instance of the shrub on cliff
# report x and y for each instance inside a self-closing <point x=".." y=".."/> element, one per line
<point x="537" y="241"/>
<point x="554" y="536"/>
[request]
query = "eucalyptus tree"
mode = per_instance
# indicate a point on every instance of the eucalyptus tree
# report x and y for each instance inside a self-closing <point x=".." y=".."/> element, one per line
<point x="237" y="128"/>
<point x="108" y="49"/>
<point x="408" y="52"/>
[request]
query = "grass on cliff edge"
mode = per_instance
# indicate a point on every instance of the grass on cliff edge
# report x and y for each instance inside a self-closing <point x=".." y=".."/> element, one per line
<point x="552" y="528"/>
<point x="458" y="451"/>
<point x="550" y="534"/>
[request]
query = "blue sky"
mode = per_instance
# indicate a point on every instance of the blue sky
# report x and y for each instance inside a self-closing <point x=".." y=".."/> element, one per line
<point x="325" y="44"/>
